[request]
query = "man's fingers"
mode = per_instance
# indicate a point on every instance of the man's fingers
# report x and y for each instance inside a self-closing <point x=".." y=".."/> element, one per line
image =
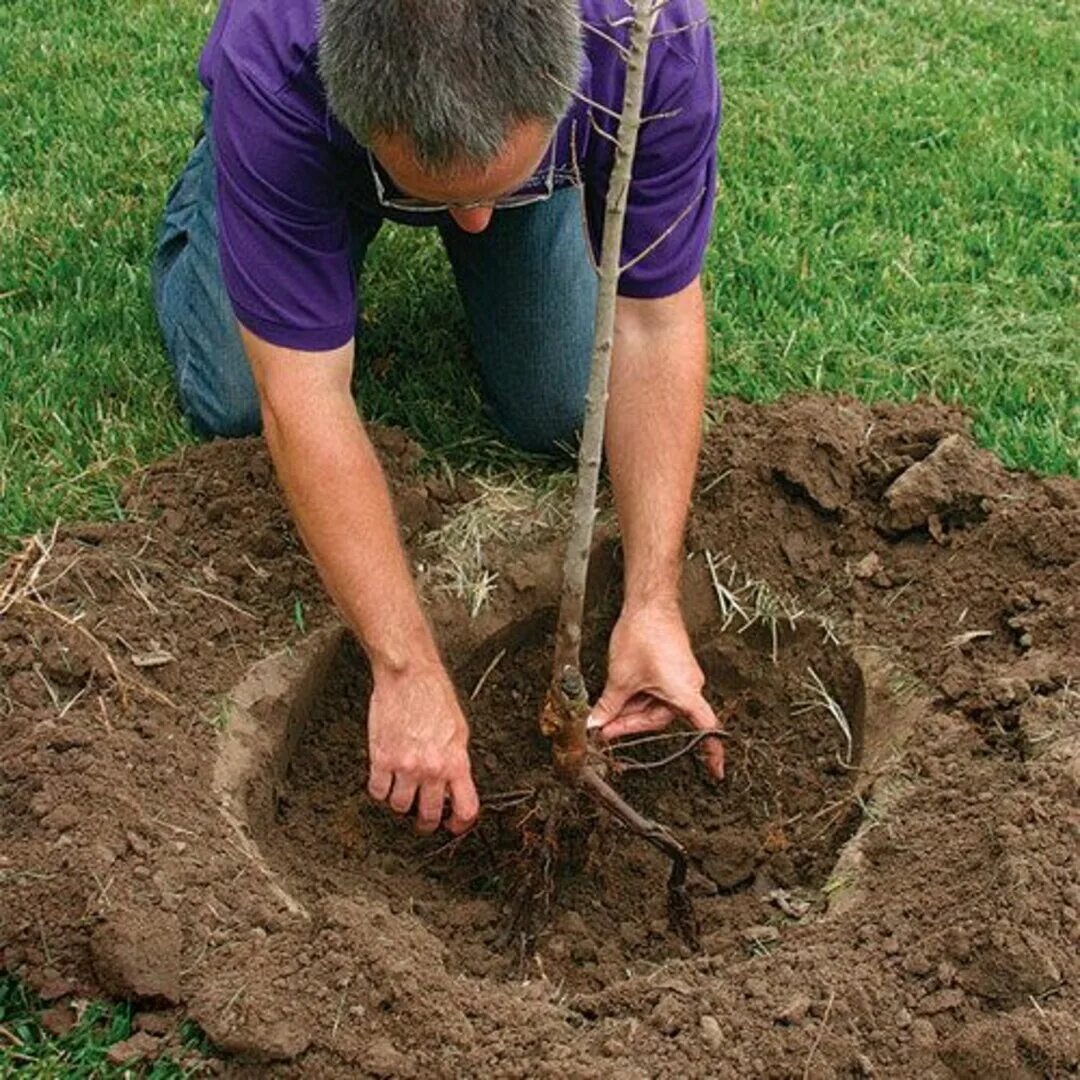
<point x="465" y="804"/>
<point x="608" y="706"/>
<point x="403" y="794"/>
<point x="379" y="783"/>
<point x="699" y="712"/>
<point x="712" y="751"/>
<point x="654" y="718"/>
<point x="429" y="808"/>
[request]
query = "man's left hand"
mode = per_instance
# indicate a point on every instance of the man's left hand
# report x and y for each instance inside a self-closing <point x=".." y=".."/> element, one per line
<point x="652" y="679"/>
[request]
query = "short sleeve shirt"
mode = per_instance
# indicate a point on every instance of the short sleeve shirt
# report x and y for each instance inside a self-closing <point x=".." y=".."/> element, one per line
<point x="289" y="174"/>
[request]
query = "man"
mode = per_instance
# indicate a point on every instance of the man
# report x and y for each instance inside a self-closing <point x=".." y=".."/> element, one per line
<point x="491" y="120"/>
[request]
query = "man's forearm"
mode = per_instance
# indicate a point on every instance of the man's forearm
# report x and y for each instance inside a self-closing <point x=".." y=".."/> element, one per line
<point x="339" y="500"/>
<point x="654" y="435"/>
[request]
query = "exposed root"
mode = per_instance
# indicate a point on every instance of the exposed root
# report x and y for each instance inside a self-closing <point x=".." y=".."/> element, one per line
<point x="693" y="739"/>
<point x="563" y="719"/>
<point x="554" y="832"/>
<point x="506" y="800"/>
<point x="499" y="656"/>
<point x="681" y="918"/>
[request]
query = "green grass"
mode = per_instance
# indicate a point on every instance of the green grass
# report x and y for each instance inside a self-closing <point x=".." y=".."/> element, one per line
<point x="899" y="211"/>
<point x="897" y="216"/>
<point x="28" y="1051"/>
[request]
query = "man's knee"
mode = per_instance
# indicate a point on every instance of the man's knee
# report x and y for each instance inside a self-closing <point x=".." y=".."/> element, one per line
<point x="227" y="408"/>
<point x="213" y="380"/>
<point x="225" y="423"/>
<point x="551" y="428"/>
<point x="219" y="399"/>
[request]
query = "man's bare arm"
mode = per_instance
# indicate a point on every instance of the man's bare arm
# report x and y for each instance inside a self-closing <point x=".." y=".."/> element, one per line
<point x="654" y="434"/>
<point x="653" y="438"/>
<point x="341" y="505"/>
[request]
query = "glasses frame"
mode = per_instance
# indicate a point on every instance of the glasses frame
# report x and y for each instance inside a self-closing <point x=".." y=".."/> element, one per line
<point x="411" y="205"/>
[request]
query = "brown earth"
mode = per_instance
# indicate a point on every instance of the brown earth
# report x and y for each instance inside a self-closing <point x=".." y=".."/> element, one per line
<point x="182" y="779"/>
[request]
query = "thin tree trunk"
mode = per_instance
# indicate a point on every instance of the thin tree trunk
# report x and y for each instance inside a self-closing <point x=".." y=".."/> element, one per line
<point x="575" y="567"/>
<point x="566" y="708"/>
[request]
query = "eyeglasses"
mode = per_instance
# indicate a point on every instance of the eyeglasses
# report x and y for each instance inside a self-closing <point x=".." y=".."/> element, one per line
<point x="507" y="202"/>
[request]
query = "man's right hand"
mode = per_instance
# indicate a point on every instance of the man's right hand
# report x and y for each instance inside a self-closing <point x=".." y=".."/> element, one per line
<point x="341" y="504"/>
<point x="417" y="743"/>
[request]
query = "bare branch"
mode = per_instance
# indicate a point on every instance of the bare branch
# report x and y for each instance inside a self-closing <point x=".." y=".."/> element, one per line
<point x="658" y="116"/>
<point x="564" y="716"/>
<point x="576" y="564"/>
<point x="626" y="20"/>
<point x="595" y="125"/>
<point x="663" y="236"/>
<point x="685" y="28"/>
<point x="647" y="13"/>
<point x="579" y="183"/>
<point x="622" y="50"/>
<point x="587" y="100"/>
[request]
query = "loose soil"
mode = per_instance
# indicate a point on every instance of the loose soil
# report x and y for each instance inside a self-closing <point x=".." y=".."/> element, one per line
<point x="182" y="778"/>
<point x="779" y="828"/>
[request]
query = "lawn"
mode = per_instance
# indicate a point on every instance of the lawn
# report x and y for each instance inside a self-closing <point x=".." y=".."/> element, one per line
<point x="897" y="217"/>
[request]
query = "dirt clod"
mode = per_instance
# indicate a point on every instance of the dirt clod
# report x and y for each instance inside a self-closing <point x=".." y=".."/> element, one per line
<point x="136" y="954"/>
<point x="58" y="1020"/>
<point x="140" y="1047"/>
<point x="154" y="1023"/>
<point x="52" y="987"/>
<point x="795" y="1010"/>
<point x="276" y="1040"/>
<point x="711" y="1032"/>
<point x="950" y="483"/>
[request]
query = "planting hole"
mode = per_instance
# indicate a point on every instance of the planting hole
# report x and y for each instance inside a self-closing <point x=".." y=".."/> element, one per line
<point x="765" y="838"/>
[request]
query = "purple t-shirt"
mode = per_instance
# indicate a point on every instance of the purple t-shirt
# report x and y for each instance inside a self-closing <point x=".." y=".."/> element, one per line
<point x="286" y="167"/>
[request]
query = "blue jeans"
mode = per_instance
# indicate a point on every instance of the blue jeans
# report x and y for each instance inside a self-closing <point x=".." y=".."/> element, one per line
<point x="527" y="284"/>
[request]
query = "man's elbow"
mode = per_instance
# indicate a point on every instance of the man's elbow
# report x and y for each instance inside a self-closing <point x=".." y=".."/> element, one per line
<point x="296" y="387"/>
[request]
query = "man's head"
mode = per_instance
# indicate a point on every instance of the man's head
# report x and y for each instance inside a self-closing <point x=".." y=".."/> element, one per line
<point x="457" y="98"/>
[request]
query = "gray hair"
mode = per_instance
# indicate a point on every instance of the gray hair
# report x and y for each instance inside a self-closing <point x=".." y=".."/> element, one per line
<point x="455" y="76"/>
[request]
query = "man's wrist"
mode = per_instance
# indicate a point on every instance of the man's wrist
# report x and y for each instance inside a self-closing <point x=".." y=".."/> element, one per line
<point x="407" y="653"/>
<point x="651" y="580"/>
<point x="651" y="597"/>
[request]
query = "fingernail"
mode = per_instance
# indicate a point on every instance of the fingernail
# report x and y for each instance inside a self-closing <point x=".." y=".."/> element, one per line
<point x="592" y="723"/>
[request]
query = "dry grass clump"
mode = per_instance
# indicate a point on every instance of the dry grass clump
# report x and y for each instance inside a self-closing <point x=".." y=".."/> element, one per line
<point x="511" y="509"/>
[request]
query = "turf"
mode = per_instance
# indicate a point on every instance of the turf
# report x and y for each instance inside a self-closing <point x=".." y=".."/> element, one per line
<point x="898" y="213"/>
<point x="897" y="216"/>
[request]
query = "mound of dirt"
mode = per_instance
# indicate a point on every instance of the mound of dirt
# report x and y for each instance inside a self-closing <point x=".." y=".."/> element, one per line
<point x="888" y="880"/>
